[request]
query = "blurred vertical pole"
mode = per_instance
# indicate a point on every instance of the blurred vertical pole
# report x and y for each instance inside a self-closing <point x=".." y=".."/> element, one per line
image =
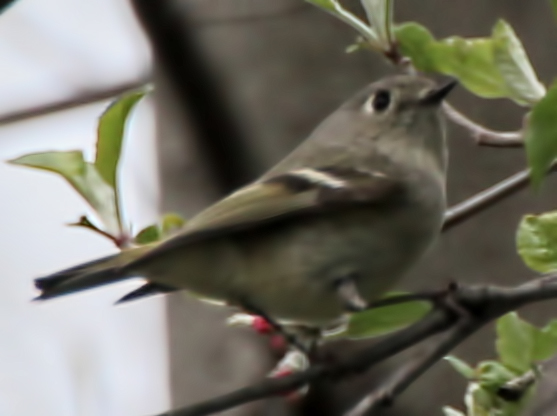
<point x="181" y="62"/>
<point x="202" y="155"/>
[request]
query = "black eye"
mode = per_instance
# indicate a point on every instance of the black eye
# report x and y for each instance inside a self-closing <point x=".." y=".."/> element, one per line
<point x="381" y="100"/>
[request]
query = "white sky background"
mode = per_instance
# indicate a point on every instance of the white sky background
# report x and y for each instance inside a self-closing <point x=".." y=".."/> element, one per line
<point x="78" y="355"/>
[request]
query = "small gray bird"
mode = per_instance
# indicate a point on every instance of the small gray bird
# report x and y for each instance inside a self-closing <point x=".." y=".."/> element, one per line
<point x="327" y="230"/>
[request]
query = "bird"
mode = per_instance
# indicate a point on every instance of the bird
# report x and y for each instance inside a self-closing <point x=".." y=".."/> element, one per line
<point x="320" y="235"/>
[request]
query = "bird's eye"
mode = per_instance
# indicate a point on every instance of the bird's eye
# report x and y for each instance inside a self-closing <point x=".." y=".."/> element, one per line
<point x="381" y="100"/>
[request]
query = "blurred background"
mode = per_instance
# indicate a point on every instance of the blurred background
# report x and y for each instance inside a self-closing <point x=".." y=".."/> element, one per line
<point x="282" y="68"/>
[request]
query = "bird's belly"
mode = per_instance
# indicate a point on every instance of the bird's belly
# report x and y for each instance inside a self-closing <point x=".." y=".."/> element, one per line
<point x="290" y="272"/>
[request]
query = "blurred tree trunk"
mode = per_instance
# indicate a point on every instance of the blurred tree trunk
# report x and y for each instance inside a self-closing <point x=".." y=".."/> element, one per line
<point x="283" y="67"/>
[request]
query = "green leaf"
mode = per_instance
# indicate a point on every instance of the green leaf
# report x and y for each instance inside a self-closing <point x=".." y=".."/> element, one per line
<point x="381" y="321"/>
<point x="110" y="133"/>
<point x="536" y="241"/>
<point x="520" y="344"/>
<point x="514" y="65"/>
<point x="416" y="42"/>
<point x="554" y="7"/>
<point x="492" y="374"/>
<point x="380" y="16"/>
<point x="469" y="60"/>
<point x="541" y="136"/>
<point x="148" y="235"/>
<point x="170" y="223"/>
<point x="491" y="67"/>
<point x="461" y="367"/>
<point x="515" y="342"/>
<point x="545" y="342"/>
<point x="324" y="4"/>
<point x="83" y="177"/>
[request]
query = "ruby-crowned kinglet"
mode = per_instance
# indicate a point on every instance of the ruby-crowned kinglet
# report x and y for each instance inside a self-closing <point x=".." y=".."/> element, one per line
<point x="327" y="230"/>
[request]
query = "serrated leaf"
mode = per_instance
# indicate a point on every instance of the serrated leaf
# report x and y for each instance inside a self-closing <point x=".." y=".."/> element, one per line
<point x="380" y="16"/>
<point x="515" y="342"/>
<point x="541" y="136"/>
<point x="449" y="411"/>
<point x="514" y="65"/>
<point x="461" y="367"/>
<point x="83" y="177"/>
<point x="473" y="61"/>
<point x="545" y="342"/>
<point x="469" y="60"/>
<point x="148" y="235"/>
<point x="170" y="223"/>
<point x="536" y="241"/>
<point x="110" y="133"/>
<point x="381" y="321"/>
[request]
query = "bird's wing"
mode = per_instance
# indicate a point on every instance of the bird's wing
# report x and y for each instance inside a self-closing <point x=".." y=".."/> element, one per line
<point x="292" y="194"/>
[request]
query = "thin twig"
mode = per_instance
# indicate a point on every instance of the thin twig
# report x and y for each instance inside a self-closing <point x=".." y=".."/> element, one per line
<point x="432" y="324"/>
<point x="487" y="198"/>
<point x="515" y="389"/>
<point x="532" y="291"/>
<point x="482" y="135"/>
<point x="4" y="4"/>
<point x="80" y="98"/>
<point x="385" y="395"/>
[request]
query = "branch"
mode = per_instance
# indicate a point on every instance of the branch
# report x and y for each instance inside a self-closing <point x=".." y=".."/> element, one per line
<point x="532" y="291"/>
<point x="472" y="308"/>
<point x="485" y="199"/>
<point x="384" y="396"/>
<point x="432" y="324"/>
<point x="4" y="4"/>
<point x="78" y="99"/>
<point x="191" y="78"/>
<point x="482" y="135"/>
<point x="488" y="197"/>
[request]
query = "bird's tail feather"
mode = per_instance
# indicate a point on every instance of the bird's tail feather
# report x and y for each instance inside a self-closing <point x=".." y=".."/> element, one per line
<point x="82" y="277"/>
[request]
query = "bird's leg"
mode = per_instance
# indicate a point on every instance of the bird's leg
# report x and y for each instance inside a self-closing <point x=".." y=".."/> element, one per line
<point x="348" y="293"/>
<point x="292" y="339"/>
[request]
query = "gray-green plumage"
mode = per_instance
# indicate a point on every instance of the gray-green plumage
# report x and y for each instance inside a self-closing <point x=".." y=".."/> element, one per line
<point x="361" y="199"/>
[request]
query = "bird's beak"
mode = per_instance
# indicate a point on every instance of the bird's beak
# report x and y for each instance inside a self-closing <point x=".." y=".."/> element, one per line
<point x="436" y="95"/>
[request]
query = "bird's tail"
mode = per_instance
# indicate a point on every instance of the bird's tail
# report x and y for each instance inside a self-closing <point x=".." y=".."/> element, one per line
<point x="82" y="277"/>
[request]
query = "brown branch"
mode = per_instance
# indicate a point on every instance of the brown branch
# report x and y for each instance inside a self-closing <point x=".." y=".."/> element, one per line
<point x="504" y="301"/>
<point x="384" y="396"/>
<point x="4" y="4"/>
<point x="487" y="198"/>
<point x="482" y="135"/>
<point x="78" y="99"/>
<point x="432" y="324"/>
<point x="475" y="306"/>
